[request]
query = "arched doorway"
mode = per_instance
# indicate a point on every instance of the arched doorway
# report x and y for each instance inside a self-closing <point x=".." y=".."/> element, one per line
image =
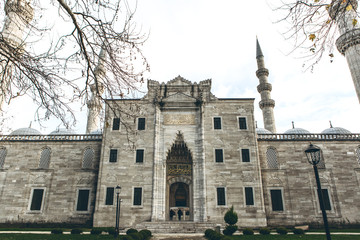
<point x="179" y="181"/>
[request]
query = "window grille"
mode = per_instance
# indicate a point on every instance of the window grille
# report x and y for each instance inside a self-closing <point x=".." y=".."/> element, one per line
<point x="245" y="155"/>
<point x="113" y="155"/>
<point x="141" y="123"/>
<point x="221" y="196"/>
<point x="37" y="198"/>
<point x="217" y="123"/>
<point x="83" y="200"/>
<point x="358" y="154"/>
<point x="140" y="155"/>
<point x="3" y="153"/>
<point x="271" y="157"/>
<point x="137" y="197"/>
<point x="242" y="123"/>
<point x="45" y="158"/>
<point x="219" y="156"/>
<point x="249" y="196"/>
<point x="116" y="124"/>
<point x="109" y="196"/>
<point x="88" y="158"/>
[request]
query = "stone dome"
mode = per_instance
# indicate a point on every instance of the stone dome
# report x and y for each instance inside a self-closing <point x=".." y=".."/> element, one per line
<point x="62" y="131"/>
<point x="25" y="131"/>
<point x="98" y="131"/>
<point x="297" y="131"/>
<point x="336" y="130"/>
<point x="262" y="131"/>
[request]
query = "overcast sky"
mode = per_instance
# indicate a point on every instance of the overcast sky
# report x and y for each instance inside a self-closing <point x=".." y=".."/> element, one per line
<point x="208" y="39"/>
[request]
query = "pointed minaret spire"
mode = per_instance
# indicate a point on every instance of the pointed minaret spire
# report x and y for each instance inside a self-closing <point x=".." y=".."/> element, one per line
<point x="97" y="89"/>
<point x="345" y="15"/>
<point x="264" y="88"/>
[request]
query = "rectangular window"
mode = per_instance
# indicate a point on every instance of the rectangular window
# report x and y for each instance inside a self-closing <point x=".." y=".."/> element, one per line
<point x="137" y="197"/>
<point x="249" y="196"/>
<point x="113" y="155"/>
<point x="116" y="124"/>
<point x="217" y="123"/>
<point x="219" y="157"/>
<point x="245" y="155"/>
<point x="141" y="123"/>
<point x="37" y="199"/>
<point x="109" y="200"/>
<point x="276" y="200"/>
<point x="220" y="196"/>
<point x="242" y="123"/>
<point x="83" y="200"/>
<point x="140" y="155"/>
<point x="326" y="199"/>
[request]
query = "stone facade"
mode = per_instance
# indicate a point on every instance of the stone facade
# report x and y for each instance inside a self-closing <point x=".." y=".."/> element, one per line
<point x="180" y="154"/>
<point x="61" y="180"/>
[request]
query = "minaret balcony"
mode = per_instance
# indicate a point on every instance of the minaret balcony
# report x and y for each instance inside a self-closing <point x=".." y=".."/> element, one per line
<point x="262" y="72"/>
<point x="264" y="87"/>
<point x="347" y="40"/>
<point x="267" y="103"/>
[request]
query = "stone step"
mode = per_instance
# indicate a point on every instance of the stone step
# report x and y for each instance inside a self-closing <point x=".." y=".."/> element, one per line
<point x="175" y="227"/>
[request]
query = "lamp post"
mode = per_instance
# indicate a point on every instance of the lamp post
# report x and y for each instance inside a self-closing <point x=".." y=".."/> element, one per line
<point x="313" y="155"/>
<point x="118" y="190"/>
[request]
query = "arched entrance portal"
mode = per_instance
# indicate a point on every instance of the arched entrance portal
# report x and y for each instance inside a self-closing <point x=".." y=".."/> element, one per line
<point x="179" y="181"/>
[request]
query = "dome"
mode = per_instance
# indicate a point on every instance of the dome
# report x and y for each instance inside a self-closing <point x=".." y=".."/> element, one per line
<point x="297" y="131"/>
<point x="336" y="130"/>
<point x="262" y="131"/>
<point x="62" y="131"/>
<point x="25" y="131"/>
<point x="96" y="132"/>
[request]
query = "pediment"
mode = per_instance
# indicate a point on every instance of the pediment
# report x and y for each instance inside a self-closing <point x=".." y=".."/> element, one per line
<point x="179" y="97"/>
<point x="179" y="81"/>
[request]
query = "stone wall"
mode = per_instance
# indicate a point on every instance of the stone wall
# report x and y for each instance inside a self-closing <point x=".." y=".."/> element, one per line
<point x="295" y="177"/>
<point x="61" y="181"/>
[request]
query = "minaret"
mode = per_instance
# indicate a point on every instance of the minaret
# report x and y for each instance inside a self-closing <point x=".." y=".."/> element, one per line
<point x="18" y="15"/>
<point x="264" y="88"/>
<point x="97" y="89"/>
<point x="348" y="44"/>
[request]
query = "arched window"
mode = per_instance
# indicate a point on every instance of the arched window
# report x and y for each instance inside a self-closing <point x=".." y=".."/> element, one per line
<point x="271" y="157"/>
<point x="88" y="158"/>
<point x="45" y="158"/>
<point x="3" y="153"/>
<point x="358" y="154"/>
<point x="321" y="164"/>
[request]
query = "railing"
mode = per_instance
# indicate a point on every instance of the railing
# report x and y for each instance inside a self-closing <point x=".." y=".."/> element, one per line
<point x="77" y="137"/>
<point x="306" y="137"/>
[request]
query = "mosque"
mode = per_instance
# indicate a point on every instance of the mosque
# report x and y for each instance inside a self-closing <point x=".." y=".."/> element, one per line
<point x="182" y="157"/>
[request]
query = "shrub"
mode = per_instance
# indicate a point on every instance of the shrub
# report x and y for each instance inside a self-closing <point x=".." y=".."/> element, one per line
<point x="248" y="231"/>
<point x="298" y="231"/>
<point x="95" y="231"/>
<point x="76" y="231"/>
<point x="208" y="233"/>
<point x="131" y="230"/>
<point x="56" y="231"/>
<point x="281" y="230"/>
<point x="145" y="233"/>
<point x="126" y="237"/>
<point x="135" y="236"/>
<point x="231" y="217"/>
<point x="264" y="231"/>
<point x="111" y="231"/>
<point x="230" y="229"/>
<point x="212" y="235"/>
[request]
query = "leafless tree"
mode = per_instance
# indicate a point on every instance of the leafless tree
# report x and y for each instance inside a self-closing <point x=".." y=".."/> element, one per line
<point x="58" y="60"/>
<point x="313" y="25"/>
